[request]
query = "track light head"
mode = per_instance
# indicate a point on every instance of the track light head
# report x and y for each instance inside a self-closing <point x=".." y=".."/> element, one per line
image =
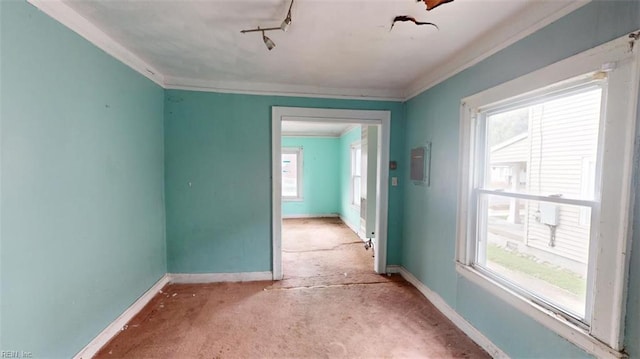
<point x="285" y="24"/>
<point x="287" y="20"/>
<point x="268" y="42"/>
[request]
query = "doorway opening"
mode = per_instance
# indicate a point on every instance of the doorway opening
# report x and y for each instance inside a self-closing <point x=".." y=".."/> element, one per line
<point x="348" y="169"/>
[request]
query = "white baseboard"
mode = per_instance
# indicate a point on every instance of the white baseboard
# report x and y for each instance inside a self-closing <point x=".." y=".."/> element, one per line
<point x="450" y="313"/>
<point x="393" y="269"/>
<point x="294" y="216"/>
<point x="353" y="228"/>
<point x="116" y="326"/>
<point x="219" y="277"/>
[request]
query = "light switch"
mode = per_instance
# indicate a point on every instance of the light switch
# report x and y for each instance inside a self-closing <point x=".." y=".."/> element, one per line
<point x="394" y="181"/>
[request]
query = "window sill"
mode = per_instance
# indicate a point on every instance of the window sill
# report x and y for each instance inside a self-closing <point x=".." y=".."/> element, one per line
<point x="552" y="321"/>
<point x="292" y="199"/>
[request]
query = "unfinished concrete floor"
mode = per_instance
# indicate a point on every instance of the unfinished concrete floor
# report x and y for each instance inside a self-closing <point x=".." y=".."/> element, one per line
<point x="329" y="305"/>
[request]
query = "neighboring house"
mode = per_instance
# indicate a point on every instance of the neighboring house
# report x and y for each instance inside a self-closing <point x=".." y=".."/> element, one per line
<point x="554" y="157"/>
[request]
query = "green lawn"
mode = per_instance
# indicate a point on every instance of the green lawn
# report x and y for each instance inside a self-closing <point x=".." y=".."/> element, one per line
<point x="559" y="277"/>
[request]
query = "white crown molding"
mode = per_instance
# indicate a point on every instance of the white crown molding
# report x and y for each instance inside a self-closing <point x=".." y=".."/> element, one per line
<point x="68" y="17"/>
<point x="116" y="326"/>
<point x="260" y="88"/>
<point x="533" y="18"/>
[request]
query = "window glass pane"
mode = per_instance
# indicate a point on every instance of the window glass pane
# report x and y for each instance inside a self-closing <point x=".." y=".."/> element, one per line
<point x="357" y="161"/>
<point x="541" y="247"/>
<point x="545" y="147"/>
<point x="356" y="191"/>
<point x="289" y="175"/>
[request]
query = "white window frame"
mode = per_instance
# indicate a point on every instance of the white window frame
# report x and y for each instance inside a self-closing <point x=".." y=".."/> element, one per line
<point x="603" y="335"/>
<point x="298" y="151"/>
<point x="353" y="150"/>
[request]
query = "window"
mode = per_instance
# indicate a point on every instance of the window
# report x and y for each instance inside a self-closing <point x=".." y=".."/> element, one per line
<point x="356" y="177"/>
<point x="545" y="192"/>
<point x="292" y="167"/>
<point x="528" y="232"/>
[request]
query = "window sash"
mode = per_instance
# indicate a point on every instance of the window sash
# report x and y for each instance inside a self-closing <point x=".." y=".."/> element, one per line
<point x="533" y="297"/>
<point x="621" y="67"/>
<point x="355" y="197"/>
<point x="356" y="169"/>
<point x="535" y="197"/>
<point x="548" y="303"/>
<point x="570" y="87"/>
<point x="297" y="151"/>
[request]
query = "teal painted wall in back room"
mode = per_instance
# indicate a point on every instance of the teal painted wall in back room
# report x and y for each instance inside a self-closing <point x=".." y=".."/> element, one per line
<point x="221" y="144"/>
<point x="321" y="191"/>
<point x="81" y="194"/>
<point x="349" y="213"/>
<point x="430" y="212"/>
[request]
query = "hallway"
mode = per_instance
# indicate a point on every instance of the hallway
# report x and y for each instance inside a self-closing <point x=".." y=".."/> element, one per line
<point x="324" y="251"/>
<point x="329" y="304"/>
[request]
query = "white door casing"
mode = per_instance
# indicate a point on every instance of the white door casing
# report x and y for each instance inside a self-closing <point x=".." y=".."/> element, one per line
<point x="362" y="117"/>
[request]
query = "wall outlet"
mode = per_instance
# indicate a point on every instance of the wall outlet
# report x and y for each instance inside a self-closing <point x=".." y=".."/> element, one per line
<point x="394" y="181"/>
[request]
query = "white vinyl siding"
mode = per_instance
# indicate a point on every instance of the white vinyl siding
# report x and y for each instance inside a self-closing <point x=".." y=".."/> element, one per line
<point x="562" y="133"/>
<point x="510" y="151"/>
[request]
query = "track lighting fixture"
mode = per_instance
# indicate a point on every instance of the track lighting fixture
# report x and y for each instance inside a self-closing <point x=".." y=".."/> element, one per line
<point x="287" y="20"/>
<point x="267" y="41"/>
<point x="284" y="26"/>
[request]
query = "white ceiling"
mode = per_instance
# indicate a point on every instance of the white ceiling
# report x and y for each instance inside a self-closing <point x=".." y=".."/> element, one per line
<point x="333" y="47"/>
<point x="324" y="129"/>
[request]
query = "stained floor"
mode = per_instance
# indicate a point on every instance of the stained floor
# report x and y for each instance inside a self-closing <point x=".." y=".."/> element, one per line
<point x="329" y="305"/>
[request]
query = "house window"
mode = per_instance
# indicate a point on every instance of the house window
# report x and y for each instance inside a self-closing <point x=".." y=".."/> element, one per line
<point x="545" y="192"/>
<point x="530" y="236"/>
<point x="356" y="170"/>
<point x="588" y="176"/>
<point x="292" y="170"/>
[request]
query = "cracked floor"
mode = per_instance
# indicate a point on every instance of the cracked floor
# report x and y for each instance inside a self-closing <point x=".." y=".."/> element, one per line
<point x="329" y="304"/>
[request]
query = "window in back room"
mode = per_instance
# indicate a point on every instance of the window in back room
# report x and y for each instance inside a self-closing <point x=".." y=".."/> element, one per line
<point x="292" y="173"/>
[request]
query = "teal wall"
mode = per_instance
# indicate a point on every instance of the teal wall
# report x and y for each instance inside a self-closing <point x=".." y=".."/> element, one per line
<point x="81" y="194"/>
<point x="221" y="144"/>
<point x="83" y="165"/>
<point x="430" y="212"/>
<point x="321" y="191"/>
<point x="349" y="214"/>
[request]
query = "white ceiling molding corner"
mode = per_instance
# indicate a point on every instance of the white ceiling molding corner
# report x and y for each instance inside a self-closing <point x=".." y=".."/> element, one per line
<point x="532" y="18"/>
<point x="528" y="21"/>
<point x="348" y="129"/>
<point x="68" y="17"/>
<point x="258" y="88"/>
<point x="316" y="129"/>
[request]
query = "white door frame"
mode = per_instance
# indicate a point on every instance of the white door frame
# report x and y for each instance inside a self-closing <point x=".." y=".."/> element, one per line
<point x="363" y="117"/>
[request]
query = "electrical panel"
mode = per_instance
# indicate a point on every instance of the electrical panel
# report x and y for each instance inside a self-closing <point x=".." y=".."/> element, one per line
<point x="420" y="164"/>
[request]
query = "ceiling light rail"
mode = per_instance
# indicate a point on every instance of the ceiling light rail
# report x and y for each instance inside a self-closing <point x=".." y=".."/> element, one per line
<point x="284" y="26"/>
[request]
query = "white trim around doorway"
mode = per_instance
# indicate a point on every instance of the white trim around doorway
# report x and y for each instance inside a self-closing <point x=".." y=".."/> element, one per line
<point x="362" y="117"/>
